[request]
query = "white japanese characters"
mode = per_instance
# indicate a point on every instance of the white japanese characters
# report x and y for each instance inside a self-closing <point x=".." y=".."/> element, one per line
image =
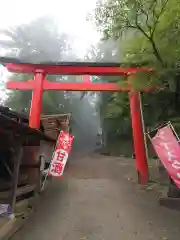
<point x="168" y="150"/>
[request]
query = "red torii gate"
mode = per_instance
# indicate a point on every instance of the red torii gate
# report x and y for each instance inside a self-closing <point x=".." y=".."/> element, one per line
<point x="39" y="84"/>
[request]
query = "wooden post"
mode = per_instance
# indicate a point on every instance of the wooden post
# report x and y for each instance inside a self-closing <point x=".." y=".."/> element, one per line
<point x="17" y="160"/>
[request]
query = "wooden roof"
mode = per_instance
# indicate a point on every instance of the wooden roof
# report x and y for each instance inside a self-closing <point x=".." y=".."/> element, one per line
<point x="19" y="124"/>
<point x="8" y="124"/>
<point x="19" y="117"/>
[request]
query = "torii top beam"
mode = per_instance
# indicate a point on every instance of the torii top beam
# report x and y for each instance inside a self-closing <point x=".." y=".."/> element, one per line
<point x="71" y="68"/>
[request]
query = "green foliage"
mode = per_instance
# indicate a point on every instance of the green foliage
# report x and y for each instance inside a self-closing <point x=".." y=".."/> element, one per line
<point x="117" y="105"/>
<point x="148" y="32"/>
<point x="19" y="100"/>
<point x="117" y="115"/>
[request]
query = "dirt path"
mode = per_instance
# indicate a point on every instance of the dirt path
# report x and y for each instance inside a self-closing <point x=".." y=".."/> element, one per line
<point x="99" y="200"/>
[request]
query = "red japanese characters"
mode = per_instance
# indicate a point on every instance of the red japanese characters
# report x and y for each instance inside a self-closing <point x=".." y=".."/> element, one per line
<point x="60" y="156"/>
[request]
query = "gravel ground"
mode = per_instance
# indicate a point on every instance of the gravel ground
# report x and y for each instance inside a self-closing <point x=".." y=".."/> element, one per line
<point x="99" y="199"/>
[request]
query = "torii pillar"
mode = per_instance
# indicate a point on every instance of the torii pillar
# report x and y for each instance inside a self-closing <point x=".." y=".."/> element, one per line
<point x="138" y="137"/>
<point x="39" y="84"/>
<point x="36" y="102"/>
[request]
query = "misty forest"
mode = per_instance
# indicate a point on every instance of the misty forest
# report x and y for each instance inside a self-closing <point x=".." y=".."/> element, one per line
<point x="138" y="32"/>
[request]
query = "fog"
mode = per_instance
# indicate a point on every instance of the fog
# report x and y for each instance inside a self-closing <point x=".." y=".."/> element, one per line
<point x="85" y="126"/>
<point x="48" y="37"/>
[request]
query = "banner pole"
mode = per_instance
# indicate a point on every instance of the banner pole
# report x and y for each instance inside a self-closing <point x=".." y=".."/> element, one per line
<point x="171" y="126"/>
<point x="143" y="126"/>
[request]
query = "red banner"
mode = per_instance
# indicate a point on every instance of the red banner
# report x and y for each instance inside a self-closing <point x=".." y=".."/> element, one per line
<point x="168" y="150"/>
<point x="60" y="156"/>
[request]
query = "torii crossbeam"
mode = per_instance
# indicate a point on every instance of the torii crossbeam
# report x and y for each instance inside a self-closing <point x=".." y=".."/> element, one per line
<point x="40" y="84"/>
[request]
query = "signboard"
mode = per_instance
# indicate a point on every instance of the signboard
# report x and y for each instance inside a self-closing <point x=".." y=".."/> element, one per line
<point x="94" y="79"/>
<point x="168" y="150"/>
<point x="60" y="156"/>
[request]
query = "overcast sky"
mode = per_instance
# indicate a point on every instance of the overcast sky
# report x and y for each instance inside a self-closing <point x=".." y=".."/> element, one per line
<point x="70" y="15"/>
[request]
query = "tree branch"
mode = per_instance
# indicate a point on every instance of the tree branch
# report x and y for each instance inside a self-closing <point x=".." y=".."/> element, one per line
<point x="152" y="30"/>
<point x="140" y="6"/>
<point x="158" y="16"/>
<point x="155" y="50"/>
